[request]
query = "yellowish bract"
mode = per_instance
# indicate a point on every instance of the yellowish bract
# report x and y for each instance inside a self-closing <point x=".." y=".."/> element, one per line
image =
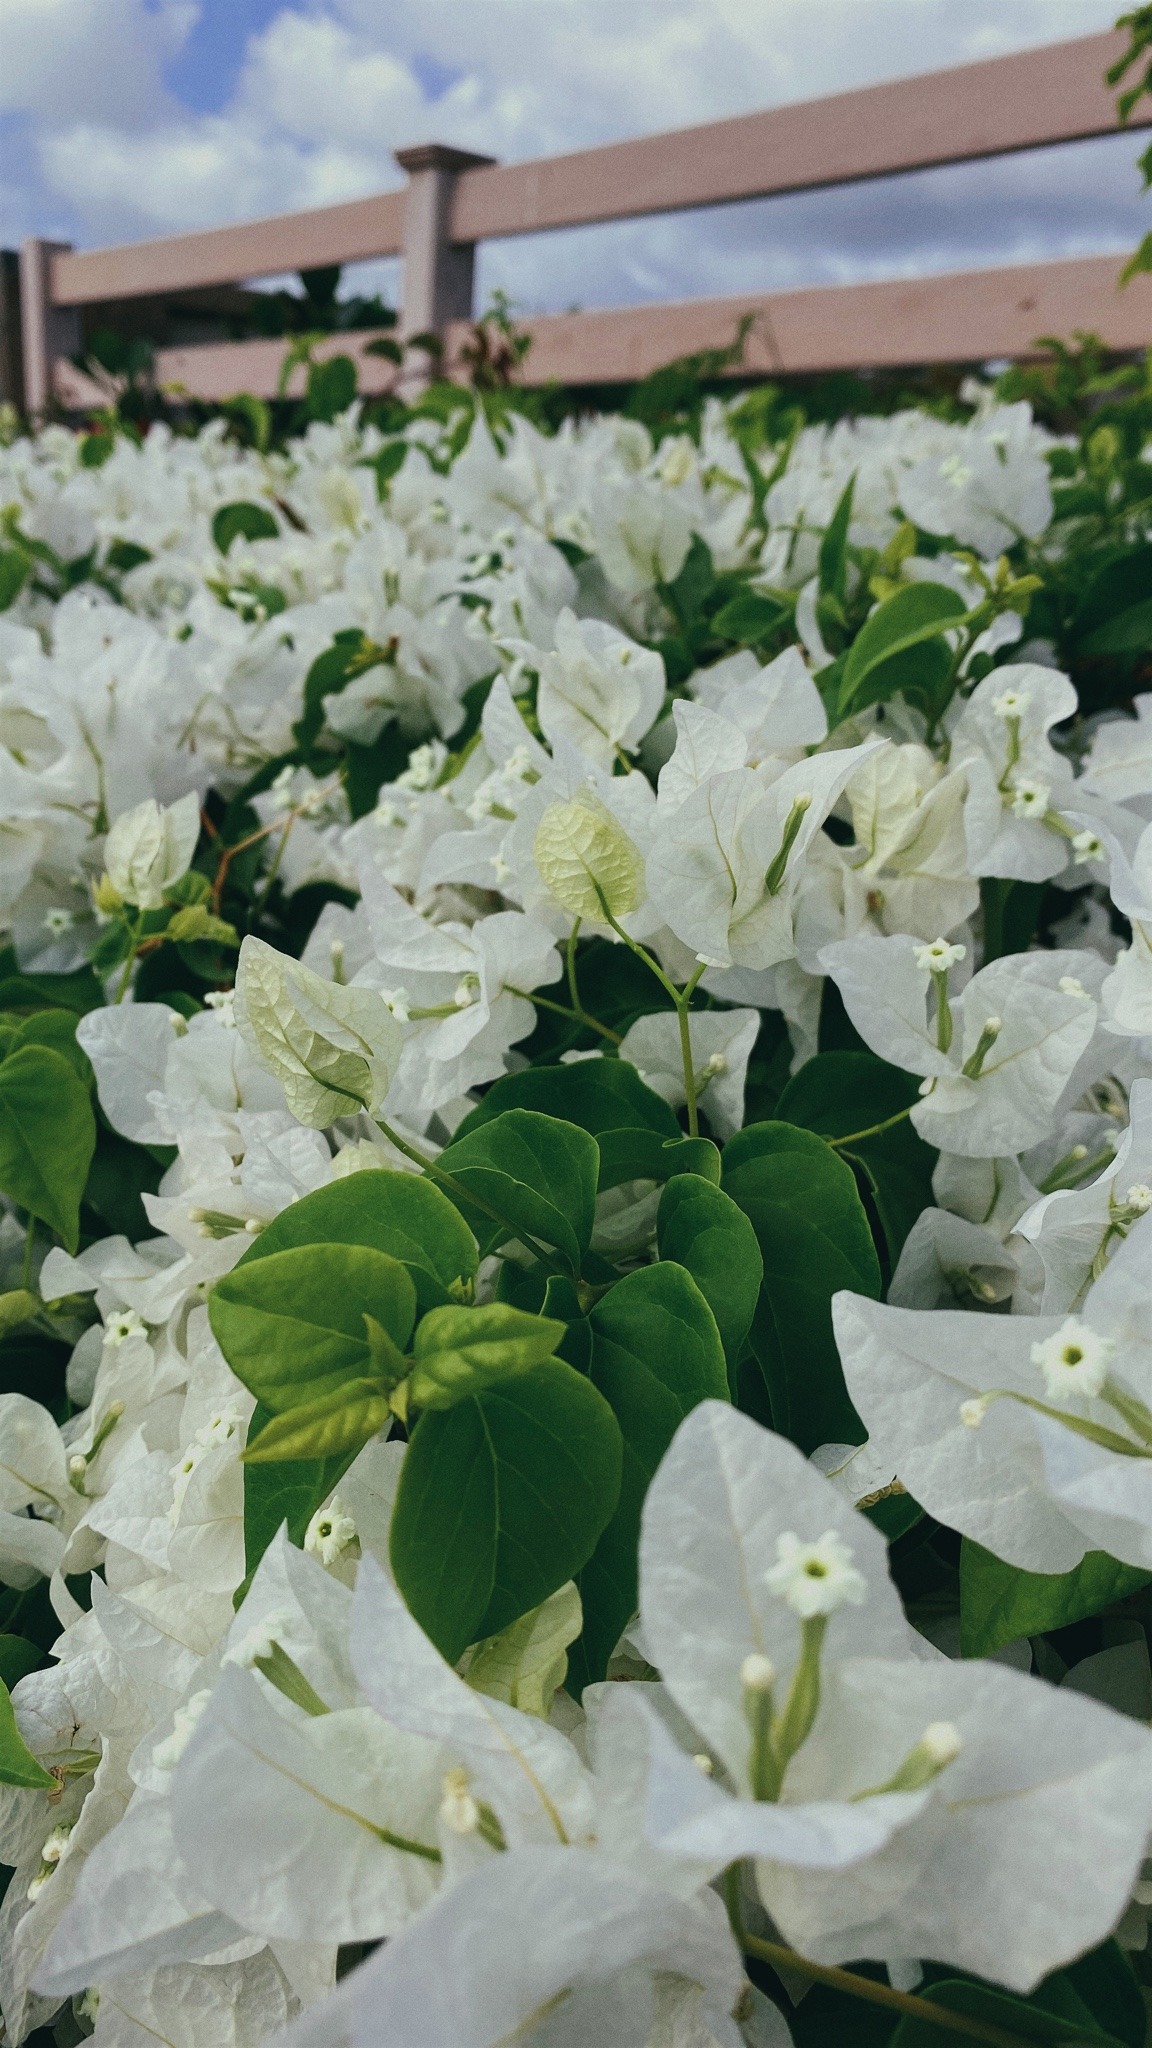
<point x="587" y="860"/>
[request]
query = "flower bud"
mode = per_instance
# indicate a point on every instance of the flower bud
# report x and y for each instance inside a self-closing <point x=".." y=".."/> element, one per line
<point x="587" y="860"/>
<point x="150" y="847"/>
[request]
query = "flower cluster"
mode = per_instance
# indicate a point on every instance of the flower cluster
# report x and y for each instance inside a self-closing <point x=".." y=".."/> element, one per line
<point x="576" y="1154"/>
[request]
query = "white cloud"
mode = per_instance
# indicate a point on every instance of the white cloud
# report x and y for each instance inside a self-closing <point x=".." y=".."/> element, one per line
<point x="90" y="59"/>
<point x="326" y="91"/>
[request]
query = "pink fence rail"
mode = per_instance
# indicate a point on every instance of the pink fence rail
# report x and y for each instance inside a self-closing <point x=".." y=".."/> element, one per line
<point x="453" y="200"/>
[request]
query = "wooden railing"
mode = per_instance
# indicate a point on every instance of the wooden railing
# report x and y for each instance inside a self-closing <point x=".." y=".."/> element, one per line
<point x="454" y="200"/>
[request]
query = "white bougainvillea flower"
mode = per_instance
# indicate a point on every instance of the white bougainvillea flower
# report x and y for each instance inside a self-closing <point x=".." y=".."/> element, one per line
<point x="778" y="708"/>
<point x="307" y="1825"/>
<point x="960" y="1416"/>
<point x="1016" y="779"/>
<point x="598" y="689"/>
<point x="1076" y="1229"/>
<point x="995" y="1072"/>
<point x="721" y="1041"/>
<point x="1127" y="993"/>
<point x="150" y="847"/>
<point x="1119" y="761"/>
<point x="525" y="1770"/>
<point x="724" y="864"/>
<point x="464" y="1975"/>
<point x="333" y="1049"/>
<point x="911" y="874"/>
<point x="865" y="1786"/>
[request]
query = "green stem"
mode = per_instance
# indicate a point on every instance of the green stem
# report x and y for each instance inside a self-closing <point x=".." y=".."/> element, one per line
<point x="563" y="1010"/>
<point x="866" y="1989"/>
<point x="874" y="1130"/>
<point x="130" y="962"/>
<point x="680" y="998"/>
<point x="570" y="965"/>
<point x="689" y="1070"/>
<point x="459" y="1193"/>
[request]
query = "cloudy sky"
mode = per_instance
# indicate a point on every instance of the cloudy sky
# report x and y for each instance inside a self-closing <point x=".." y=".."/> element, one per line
<point x="129" y="118"/>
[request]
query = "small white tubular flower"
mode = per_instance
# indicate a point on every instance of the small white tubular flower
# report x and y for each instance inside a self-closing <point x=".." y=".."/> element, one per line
<point x="333" y="1049"/>
<point x="972" y="1412"/>
<point x="1086" y="846"/>
<point x="941" y="1742"/>
<point x="185" y="1722"/>
<point x="758" y="1673"/>
<point x="150" y="847"/>
<point x="330" y="1533"/>
<point x="1011" y="703"/>
<point x="124" y="1324"/>
<point x="1138" y="1199"/>
<point x="458" y="1810"/>
<point x="1030" y="799"/>
<point x="261" y="1639"/>
<point x="815" y="1578"/>
<point x="938" y="956"/>
<point x="1075" y="1360"/>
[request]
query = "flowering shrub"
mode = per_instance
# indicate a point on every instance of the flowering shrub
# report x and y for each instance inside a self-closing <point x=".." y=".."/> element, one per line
<point x="576" y="1133"/>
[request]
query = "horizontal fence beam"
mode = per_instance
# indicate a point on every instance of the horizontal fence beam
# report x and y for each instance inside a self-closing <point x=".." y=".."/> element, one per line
<point x="350" y="233"/>
<point x="996" y="107"/>
<point x="961" y="317"/>
<point x="968" y="316"/>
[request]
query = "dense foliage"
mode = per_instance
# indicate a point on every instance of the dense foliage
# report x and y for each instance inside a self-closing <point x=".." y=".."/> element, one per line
<point x="576" y="1134"/>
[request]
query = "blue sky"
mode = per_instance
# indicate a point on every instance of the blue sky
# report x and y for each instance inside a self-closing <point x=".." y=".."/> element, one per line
<point x="128" y="118"/>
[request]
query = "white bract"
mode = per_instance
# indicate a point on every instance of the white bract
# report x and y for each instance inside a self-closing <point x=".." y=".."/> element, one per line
<point x="1035" y="1440"/>
<point x="443" y="733"/>
<point x="996" y="1071"/>
<point x="150" y="847"/>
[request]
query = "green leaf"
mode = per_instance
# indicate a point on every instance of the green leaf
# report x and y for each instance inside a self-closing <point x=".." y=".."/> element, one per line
<point x="702" y="1230"/>
<point x="1129" y="633"/>
<point x="80" y="991"/>
<point x="282" y="1493"/>
<point x="18" y="1766"/>
<point x="14" y="568"/>
<point x="47" y="1137"/>
<point x="337" y="1423"/>
<point x="656" y="1352"/>
<point x="253" y="522"/>
<point x="1029" y="2020"/>
<point x="17" y="1658"/>
<point x="1106" y="1982"/>
<point x="298" y="1324"/>
<point x="460" y="1351"/>
<point x="629" y="1121"/>
<point x="999" y="1602"/>
<point x="833" y="558"/>
<point x="838" y="1093"/>
<point x="351" y="654"/>
<point x="536" y="1174"/>
<point x="750" y="617"/>
<point x="57" y="1030"/>
<point x="397" y="1213"/>
<point x="501" y="1501"/>
<point x="331" y="388"/>
<point x="912" y="617"/>
<point x="814" y="1239"/>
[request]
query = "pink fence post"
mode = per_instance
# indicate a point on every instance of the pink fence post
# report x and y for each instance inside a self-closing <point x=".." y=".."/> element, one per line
<point x="438" y="273"/>
<point x="47" y="330"/>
